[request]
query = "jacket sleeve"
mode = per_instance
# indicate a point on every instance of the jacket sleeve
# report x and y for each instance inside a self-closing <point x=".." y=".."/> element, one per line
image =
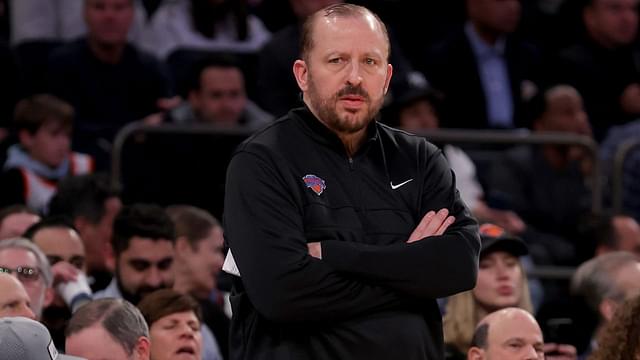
<point x="264" y="229"/>
<point x="436" y="266"/>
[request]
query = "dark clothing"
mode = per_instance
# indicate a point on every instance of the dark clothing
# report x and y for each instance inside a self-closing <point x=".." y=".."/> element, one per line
<point x="551" y="201"/>
<point x="600" y="75"/>
<point x="452" y="68"/>
<point x="105" y="96"/>
<point x="372" y="296"/>
<point x="9" y="87"/>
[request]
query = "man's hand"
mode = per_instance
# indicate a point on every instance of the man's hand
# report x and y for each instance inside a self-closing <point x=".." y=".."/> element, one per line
<point x="432" y="224"/>
<point x="315" y="249"/>
<point x="63" y="272"/>
<point x="554" y="351"/>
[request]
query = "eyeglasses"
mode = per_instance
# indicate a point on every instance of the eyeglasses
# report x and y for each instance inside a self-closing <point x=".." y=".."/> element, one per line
<point x="23" y="273"/>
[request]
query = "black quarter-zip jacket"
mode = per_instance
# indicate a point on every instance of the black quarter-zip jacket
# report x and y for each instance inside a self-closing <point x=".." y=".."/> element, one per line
<point x="372" y="295"/>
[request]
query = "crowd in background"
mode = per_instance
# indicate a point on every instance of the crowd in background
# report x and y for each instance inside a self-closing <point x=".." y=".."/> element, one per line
<point x="75" y="73"/>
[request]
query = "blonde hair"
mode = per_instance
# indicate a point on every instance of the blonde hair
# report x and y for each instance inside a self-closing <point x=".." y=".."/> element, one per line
<point x="463" y="313"/>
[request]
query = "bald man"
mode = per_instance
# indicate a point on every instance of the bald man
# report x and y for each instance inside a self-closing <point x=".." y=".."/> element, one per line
<point x="14" y="300"/>
<point x="513" y="334"/>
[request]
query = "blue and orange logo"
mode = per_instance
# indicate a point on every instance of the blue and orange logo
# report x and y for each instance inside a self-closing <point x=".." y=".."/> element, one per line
<point x="314" y="183"/>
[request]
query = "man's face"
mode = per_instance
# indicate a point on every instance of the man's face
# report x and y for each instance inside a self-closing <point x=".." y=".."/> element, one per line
<point x="514" y="338"/>
<point x="612" y="23"/>
<point x="61" y="244"/>
<point x="176" y="336"/>
<point x="51" y="144"/>
<point x="500" y="16"/>
<point x="108" y="21"/>
<point x="418" y="116"/>
<point x="95" y="343"/>
<point x="221" y="98"/>
<point x="565" y="113"/>
<point x="205" y="262"/>
<point x="14" y="300"/>
<point x="15" y="258"/>
<point x="145" y="266"/>
<point x="627" y="232"/>
<point x="499" y="283"/>
<point x="346" y="74"/>
<point x="16" y="224"/>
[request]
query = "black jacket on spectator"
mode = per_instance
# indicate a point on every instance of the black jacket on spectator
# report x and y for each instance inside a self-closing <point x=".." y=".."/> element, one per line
<point x="105" y="96"/>
<point x="600" y="75"/>
<point x="451" y="67"/>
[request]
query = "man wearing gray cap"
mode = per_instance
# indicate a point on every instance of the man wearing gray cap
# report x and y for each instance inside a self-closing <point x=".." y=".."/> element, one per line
<point x="25" y="339"/>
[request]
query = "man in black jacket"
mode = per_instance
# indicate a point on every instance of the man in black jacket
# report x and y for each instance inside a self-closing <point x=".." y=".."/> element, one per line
<point x="344" y="231"/>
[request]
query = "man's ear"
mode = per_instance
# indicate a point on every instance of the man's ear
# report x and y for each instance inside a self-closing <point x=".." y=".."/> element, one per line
<point x="475" y="353"/>
<point x="25" y="138"/>
<point x="49" y="295"/>
<point x="182" y="246"/>
<point x="142" y="351"/>
<point x="607" y="308"/>
<point x="388" y="80"/>
<point x="301" y="72"/>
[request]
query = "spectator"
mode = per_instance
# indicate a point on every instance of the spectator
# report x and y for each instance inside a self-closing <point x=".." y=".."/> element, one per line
<point x="25" y="261"/>
<point x="507" y="334"/>
<point x="108" y="81"/>
<point x="619" y="340"/>
<point x="602" y="66"/>
<point x="43" y="157"/>
<point x="198" y="261"/>
<point x="217" y="96"/>
<point x="612" y="143"/>
<point x="143" y="239"/>
<point x="14" y="300"/>
<point x="62" y="20"/>
<point x="223" y="26"/>
<point x="64" y="249"/>
<point x="143" y="243"/>
<point x="108" y="327"/>
<point x="91" y="205"/>
<point x="546" y="185"/>
<point x="15" y="219"/>
<point x="174" y="325"/>
<point x="501" y="283"/>
<point x="606" y="282"/>
<point x="484" y="71"/>
<point x="616" y="233"/>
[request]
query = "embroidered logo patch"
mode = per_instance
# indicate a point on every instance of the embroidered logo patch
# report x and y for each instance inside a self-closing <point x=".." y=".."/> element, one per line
<point x="314" y="183"/>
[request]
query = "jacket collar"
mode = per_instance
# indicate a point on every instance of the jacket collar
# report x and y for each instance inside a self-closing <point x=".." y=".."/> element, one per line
<point x="321" y="133"/>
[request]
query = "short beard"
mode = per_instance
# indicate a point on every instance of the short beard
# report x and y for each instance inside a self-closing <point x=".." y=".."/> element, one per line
<point x="140" y="293"/>
<point x="327" y="113"/>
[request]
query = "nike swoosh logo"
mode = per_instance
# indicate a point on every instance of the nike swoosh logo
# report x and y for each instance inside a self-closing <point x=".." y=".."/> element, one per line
<point x="398" y="185"/>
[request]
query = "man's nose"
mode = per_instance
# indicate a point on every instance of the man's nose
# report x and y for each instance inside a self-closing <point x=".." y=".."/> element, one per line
<point x="355" y="78"/>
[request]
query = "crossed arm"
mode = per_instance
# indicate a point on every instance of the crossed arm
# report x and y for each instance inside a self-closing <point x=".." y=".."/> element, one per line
<point x="285" y="284"/>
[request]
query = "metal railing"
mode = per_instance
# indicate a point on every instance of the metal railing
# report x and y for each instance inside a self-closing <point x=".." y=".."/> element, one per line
<point x="522" y="137"/>
<point x="448" y="136"/>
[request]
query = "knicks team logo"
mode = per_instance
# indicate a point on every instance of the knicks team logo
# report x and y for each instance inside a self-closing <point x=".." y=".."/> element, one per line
<point x="314" y="183"/>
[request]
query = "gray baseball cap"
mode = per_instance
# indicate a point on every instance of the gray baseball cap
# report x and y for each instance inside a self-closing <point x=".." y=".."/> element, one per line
<point x="25" y="339"/>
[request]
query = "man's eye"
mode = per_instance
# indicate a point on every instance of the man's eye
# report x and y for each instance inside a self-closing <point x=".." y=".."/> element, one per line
<point x="370" y="61"/>
<point x="335" y="60"/>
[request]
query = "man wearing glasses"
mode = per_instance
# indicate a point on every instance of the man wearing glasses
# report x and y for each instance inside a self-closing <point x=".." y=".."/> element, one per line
<point x="24" y="260"/>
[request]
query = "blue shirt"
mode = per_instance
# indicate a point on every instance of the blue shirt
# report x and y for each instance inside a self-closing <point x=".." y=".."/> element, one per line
<point x="494" y="76"/>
